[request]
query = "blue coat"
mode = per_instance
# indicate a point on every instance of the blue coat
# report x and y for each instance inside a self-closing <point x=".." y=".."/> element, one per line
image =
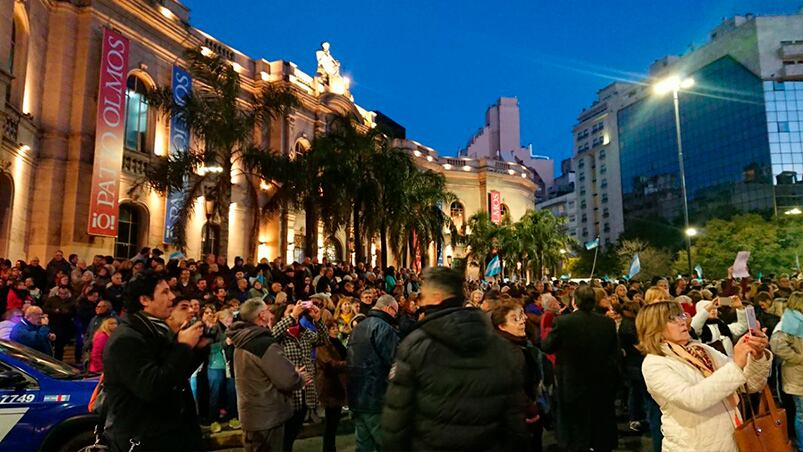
<point x="372" y="346"/>
<point x="33" y="336"/>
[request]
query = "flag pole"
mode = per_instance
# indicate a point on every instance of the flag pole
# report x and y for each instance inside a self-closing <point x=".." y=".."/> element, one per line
<point x="594" y="265"/>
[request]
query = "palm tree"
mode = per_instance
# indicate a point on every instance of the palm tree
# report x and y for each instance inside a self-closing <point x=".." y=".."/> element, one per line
<point x="222" y="123"/>
<point x="481" y="237"/>
<point x="541" y="235"/>
<point x="418" y="211"/>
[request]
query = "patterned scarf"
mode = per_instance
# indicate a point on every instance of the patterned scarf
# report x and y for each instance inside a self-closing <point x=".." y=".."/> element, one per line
<point x="697" y="357"/>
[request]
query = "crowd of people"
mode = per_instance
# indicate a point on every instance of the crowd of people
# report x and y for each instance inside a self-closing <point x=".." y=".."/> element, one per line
<point x="419" y="362"/>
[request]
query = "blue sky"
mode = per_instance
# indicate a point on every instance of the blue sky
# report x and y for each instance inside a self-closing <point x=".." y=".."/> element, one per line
<point x="434" y="66"/>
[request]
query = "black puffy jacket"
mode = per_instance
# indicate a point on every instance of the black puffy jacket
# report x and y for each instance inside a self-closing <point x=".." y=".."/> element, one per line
<point x="372" y="345"/>
<point x="454" y="386"/>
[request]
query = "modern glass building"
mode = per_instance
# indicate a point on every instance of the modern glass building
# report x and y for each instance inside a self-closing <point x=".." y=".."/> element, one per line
<point x="741" y="141"/>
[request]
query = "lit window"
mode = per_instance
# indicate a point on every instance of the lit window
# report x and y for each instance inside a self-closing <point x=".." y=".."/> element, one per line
<point x="127" y="243"/>
<point x="136" y="121"/>
<point x="210" y="239"/>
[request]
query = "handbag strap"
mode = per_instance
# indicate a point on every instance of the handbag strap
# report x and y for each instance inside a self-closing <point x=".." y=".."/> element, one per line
<point x="768" y="404"/>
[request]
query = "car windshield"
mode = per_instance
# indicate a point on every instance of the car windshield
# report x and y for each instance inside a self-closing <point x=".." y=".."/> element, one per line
<point x="39" y="361"/>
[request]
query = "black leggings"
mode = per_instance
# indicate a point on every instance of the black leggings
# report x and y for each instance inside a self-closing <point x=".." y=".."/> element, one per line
<point x="293" y="427"/>
<point x="330" y="423"/>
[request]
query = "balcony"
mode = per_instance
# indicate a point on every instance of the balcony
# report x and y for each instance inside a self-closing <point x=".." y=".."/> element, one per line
<point x="791" y="49"/>
<point x="135" y="163"/>
<point x="793" y="71"/>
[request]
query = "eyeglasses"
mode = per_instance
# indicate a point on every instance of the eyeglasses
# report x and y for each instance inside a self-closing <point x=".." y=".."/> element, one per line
<point x="518" y="318"/>
<point x="680" y="318"/>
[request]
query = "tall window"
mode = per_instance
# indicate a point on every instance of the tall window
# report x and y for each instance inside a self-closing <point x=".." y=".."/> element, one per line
<point x="126" y="245"/>
<point x="457" y="214"/>
<point x="136" y="120"/>
<point x="505" y="210"/>
<point x="11" y="52"/>
<point x="210" y="239"/>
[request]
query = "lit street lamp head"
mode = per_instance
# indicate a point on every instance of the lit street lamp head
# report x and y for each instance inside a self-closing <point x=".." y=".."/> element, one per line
<point x="671" y="84"/>
<point x="691" y="232"/>
<point x="794" y="211"/>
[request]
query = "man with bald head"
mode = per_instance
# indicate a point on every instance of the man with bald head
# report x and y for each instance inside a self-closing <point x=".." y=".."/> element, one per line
<point x="34" y="331"/>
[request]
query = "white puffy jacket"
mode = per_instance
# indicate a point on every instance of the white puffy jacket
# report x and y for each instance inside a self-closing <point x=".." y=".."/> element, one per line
<point x="737" y="328"/>
<point x="695" y="415"/>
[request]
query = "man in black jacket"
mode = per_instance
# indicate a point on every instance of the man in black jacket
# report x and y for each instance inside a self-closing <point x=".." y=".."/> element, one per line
<point x="370" y="355"/>
<point x="587" y="352"/>
<point x="147" y="372"/>
<point x="454" y="385"/>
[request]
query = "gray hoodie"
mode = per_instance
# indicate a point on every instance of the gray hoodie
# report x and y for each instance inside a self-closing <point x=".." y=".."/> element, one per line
<point x="264" y="377"/>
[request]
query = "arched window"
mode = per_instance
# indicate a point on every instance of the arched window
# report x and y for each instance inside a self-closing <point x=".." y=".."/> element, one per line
<point x="136" y="120"/>
<point x="458" y="214"/>
<point x="6" y="206"/>
<point x="301" y="146"/>
<point x="210" y="239"/>
<point x="128" y="232"/>
<point x="17" y="56"/>
<point x="11" y="52"/>
<point x="504" y="210"/>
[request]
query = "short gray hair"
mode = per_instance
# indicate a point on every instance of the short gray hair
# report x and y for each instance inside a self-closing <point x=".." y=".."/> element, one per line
<point x="251" y="309"/>
<point x="384" y="301"/>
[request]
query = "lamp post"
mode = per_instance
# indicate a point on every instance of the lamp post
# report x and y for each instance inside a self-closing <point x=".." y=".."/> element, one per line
<point x="674" y="84"/>
<point x="209" y="209"/>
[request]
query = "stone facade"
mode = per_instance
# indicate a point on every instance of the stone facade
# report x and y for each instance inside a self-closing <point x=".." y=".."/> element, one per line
<point x="49" y="73"/>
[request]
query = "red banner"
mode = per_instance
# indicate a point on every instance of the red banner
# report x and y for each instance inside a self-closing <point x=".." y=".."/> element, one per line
<point x="496" y="207"/>
<point x="109" y="130"/>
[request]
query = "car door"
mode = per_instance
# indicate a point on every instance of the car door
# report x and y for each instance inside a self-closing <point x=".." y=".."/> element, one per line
<point x="20" y="403"/>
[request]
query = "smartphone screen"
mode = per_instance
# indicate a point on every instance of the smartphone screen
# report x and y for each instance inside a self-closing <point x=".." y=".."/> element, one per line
<point x="750" y="312"/>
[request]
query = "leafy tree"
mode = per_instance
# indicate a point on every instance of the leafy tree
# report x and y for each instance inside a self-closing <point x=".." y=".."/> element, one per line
<point x="221" y="122"/>
<point x="581" y="266"/>
<point x="654" y="261"/>
<point x="772" y="243"/>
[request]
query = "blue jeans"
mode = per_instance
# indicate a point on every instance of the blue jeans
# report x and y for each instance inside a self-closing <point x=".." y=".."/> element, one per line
<point x="636" y="394"/>
<point x="217" y="380"/>
<point x="799" y="421"/>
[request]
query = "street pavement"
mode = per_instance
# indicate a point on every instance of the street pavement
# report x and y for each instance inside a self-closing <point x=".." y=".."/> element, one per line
<point x="345" y="443"/>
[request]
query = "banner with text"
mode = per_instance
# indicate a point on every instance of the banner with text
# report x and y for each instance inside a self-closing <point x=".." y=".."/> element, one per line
<point x="179" y="143"/>
<point x="496" y="207"/>
<point x="109" y="130"/>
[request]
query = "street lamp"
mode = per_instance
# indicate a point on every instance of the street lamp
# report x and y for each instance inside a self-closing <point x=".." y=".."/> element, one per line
<point x="675" y="83"/>
<point x="793" y="211"/>
<point x="691" y="232"/>
<point x="209" y="209"/>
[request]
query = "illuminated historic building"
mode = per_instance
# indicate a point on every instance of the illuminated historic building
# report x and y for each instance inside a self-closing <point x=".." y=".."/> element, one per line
<point x="50" y="64"/>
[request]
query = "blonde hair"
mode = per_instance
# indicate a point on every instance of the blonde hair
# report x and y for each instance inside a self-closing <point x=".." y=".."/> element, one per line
<point x="650" y="325"/>
<point x="655" y="294"/>
<point x="224" y="314"/>
<point x="341" y="302"/>
<point x="795" y="301"/>
<point x="105" y="325"/>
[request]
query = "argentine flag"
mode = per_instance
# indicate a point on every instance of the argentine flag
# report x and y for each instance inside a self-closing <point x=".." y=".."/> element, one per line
<point x="635" y="267"/>
<point x="699" y="269"/>
<point x="494" y="267"/>
<point x="590" y="245"/>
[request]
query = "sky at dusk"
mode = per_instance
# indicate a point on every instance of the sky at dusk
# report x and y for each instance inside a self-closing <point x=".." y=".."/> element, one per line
<point x="435" y="66"/>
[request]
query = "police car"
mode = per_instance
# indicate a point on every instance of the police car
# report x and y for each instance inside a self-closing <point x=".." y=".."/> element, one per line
<point x="43" y="402"/>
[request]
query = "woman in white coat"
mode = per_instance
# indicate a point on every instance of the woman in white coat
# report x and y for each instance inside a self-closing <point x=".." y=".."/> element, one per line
<point x="695" y="385"/>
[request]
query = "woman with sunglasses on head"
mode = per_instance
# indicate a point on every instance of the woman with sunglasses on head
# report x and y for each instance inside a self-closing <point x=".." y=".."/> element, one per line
<point x="694" y="384"/>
